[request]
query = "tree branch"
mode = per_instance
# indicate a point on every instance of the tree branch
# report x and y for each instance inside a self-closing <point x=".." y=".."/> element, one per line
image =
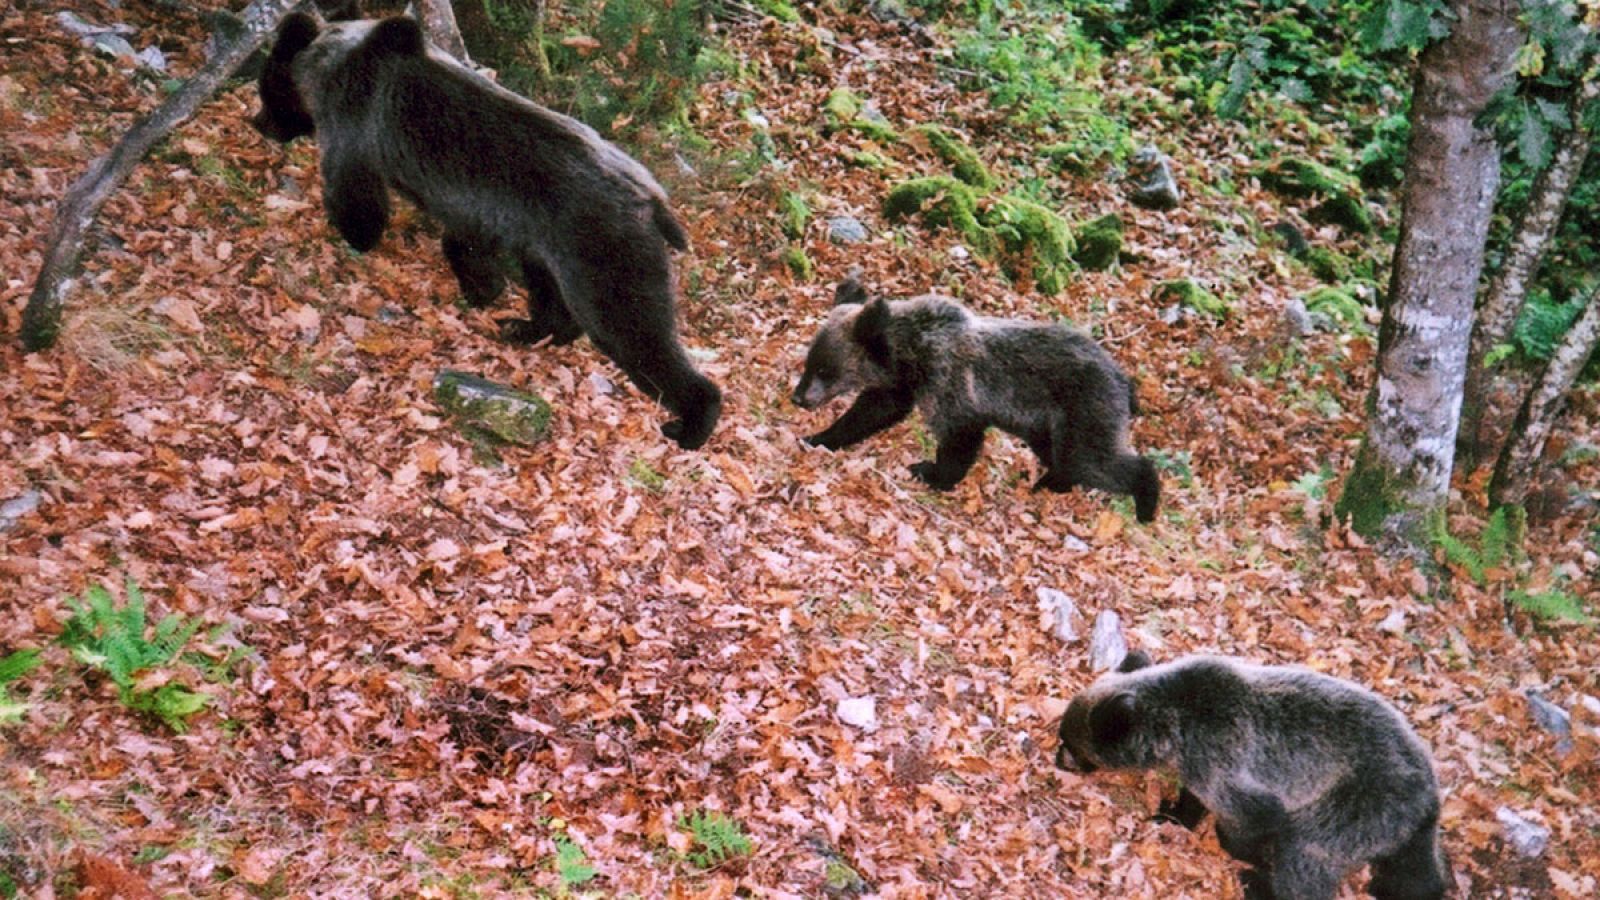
<point x="41" y="319"/>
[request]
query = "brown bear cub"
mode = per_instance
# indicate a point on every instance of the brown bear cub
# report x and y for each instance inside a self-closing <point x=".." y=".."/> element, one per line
<point x="584" y="224"/>
<point x="1050" y="385"/>
<point x="1309" y="776"/>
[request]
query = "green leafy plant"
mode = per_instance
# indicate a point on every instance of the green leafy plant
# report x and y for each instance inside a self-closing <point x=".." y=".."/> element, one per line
<point x="572" y="867"/>
<point x="13" y="667"/>
<point x="1552" y="604"/>
<point x="1315" y="484"/>
<point x="1499" y="543"/>
<point x="717" y="839"/>
<point x="119" y="641"/>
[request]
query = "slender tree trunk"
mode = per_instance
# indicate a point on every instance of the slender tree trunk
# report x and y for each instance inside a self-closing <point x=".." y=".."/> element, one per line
<point x="1401" y="474"/>
<point x="41" y="319"/>
<point x="1519" y="459"/>
<point x="439" y="24"/>
<point x="1509" y="290"/>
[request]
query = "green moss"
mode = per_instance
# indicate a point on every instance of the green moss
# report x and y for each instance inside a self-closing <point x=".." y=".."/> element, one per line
<point x="1070" y="158"/>
<point x="798" y="262"/>
<point x="491" y="415"/>
<point x="1337" y="304"/>
<point x="941" y="201"/>
<point x="867" y="160"/>
<point x="1035" y="239"/>
<point x="1347" y="211"/>
<point x="796" y="214"/>
<point x="1327" y="265"/>
<point x="842" y="106"/>
<point x="1099" y="242"/>
<point x="1186" y="293"/>
<point x="1369" y="498"/>
<point x="1302" y="178"/>
<point x="963" y="161"/>
<point x="778" y="9"/>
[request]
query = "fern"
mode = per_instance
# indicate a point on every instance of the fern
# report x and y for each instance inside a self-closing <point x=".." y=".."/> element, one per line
<point x="1502" y="536"/>
<point x="1458" y="553"/>
<point x="1555" y="604"/>
<point x="113" y="639"/>
<point x="13" y="667"/>
<point x="717" y="839"/>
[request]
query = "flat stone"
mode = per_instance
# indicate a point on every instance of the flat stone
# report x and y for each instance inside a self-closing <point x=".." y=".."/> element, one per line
<point x="1107" y="647"/>
<point x="1058" y="614"/>
<point x="491" y="414"/>
<point x="846" y="230"/>
<point x="19" y="506"/>
<point x="1529" y="839"/>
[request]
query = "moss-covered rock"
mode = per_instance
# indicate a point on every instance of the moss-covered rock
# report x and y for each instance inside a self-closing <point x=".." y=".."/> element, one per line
<point x="1186" y="293"/>
<point x="1303" y="179"/>
<point x="942" y="202"/>
<point x="1099" y="242"/>
<point x="866" y="159"/>
<point x="1072" y="159"/>
<point x="963" y="161"/>
<point x="1035" y="241"/>
<point x="846" y="111"/>
<point x="491" y="415"/>
<point x="1336" y="305"/>
<point x="1327" y="265"/>
<point x="1346" y="211"/>
<point x="795" y="213"/>
<point x="842" y="106"/>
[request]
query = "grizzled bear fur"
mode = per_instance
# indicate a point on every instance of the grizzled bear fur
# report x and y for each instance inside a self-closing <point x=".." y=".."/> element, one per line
<point x="1050" y="385"/>
<point x="1309" y="776"/>
<point x="588" y="227"/>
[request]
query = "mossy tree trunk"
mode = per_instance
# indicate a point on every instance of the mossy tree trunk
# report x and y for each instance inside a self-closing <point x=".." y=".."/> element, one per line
<point x="1509" y="290"/>
<point x="496" y="46"/>
<point x="1519" y="460"/>
<point x="41" y="319"/>
<point x="1401" y="475"/>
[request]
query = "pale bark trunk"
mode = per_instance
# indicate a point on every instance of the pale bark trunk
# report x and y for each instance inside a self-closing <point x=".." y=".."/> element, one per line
<point x="1402" y="472"/>
<point x="1509" y="290"/>
<point x="41" y="319"/>
<point x="439" y="24"/>
<point x="1519" y="459"/>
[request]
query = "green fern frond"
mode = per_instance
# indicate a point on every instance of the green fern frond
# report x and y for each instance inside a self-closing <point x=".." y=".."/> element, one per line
<point x="18" y="664"/>
<point x="1554" y="604"/>
<point x="717" y="839"/>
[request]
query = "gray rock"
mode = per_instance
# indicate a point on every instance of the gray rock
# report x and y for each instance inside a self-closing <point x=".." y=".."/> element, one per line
<point x="1175" y="313"/>
<point x="490" y="414"/>
<point x="859" y="712"/>
<point x="1061" y="612"/>
<point x="1296" y="318"/>
<point x="1154" y="186"/>
<point x="1551" y="718"/>
<point x="1075" y="544"/>
<point x="21" y="505"/>
<point x="1525" y="837"/>
<point x="1107" y="647"/>
<point x="152" y="58"/>
<point x="846" y="230"/>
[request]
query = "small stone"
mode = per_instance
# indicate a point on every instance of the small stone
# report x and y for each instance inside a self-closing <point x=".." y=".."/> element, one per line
<point x="1075" y="544"/>
<point x="1525" y="837"/>
<point x="846" y="230"/>
<point x="491" y="414"/>
<point x="1296" y="318"/>
<point x="1394" y="622"/>
<point x="152" y="58"/>
<point x="959" y="252"/>
<point x="859" y="712"/>
<point x="1173" y="314"/>
<point x="602" y="385"/>
<point x="1153" y="184"/>
<point x="1107" y="647"/>
<point x="1058" y="614"/>
<point x="1551" y="718"/>
<point x="21" y="505"/>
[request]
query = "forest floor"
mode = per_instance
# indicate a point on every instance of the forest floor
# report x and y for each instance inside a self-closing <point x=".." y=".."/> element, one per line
<point x="428" y="675"/>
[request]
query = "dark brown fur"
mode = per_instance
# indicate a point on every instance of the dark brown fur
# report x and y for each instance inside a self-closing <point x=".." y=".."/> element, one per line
<point x="1050" y="385"/>
<point x="1309" y="776"/>
<point x="588" y="227"/>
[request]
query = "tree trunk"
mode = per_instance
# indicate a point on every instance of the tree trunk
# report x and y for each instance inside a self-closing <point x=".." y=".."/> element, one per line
<point x="1509" y="290"/>
<point x="41" y="319"/>
<point x="1519" y="459"/>
<point x="1401" y="474"/>
<point x="439" y="24"/>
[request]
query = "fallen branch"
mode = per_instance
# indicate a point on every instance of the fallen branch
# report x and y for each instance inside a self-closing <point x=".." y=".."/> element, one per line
<point x="41" y="320"/>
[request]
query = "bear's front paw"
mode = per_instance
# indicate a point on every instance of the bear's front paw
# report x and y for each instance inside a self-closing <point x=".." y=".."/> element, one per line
<point x="1052" y="481"/>
<point x="928" y="473"/>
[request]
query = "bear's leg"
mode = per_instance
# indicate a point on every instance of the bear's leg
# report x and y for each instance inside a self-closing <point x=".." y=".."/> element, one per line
<point x="355" y="197"/>
<point x="655" y="362"/>
<point x="875" y="410"/>
<point x="1098" y="459"/>
<point x="476" y="264"/>
<point x="547" y="313"/>
<point x="1413" y="872"/>
<point x="1054" y="447"/>
<point x="1187" y="810"/>
<point x="958" y="450"/>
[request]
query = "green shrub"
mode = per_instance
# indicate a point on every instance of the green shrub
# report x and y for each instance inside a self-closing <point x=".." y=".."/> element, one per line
<point x="717" y="839"/>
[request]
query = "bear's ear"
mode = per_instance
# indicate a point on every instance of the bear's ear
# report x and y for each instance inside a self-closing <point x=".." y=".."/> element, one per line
<point x="398" y="35"/>
<point x="871" y="331"/>
<point x="849" y="291"/>
<point x="1112" y="719"/>
<point x="1134" y="661"/>
<point x="295" y="34"/>
<point x="340" y="10"/>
